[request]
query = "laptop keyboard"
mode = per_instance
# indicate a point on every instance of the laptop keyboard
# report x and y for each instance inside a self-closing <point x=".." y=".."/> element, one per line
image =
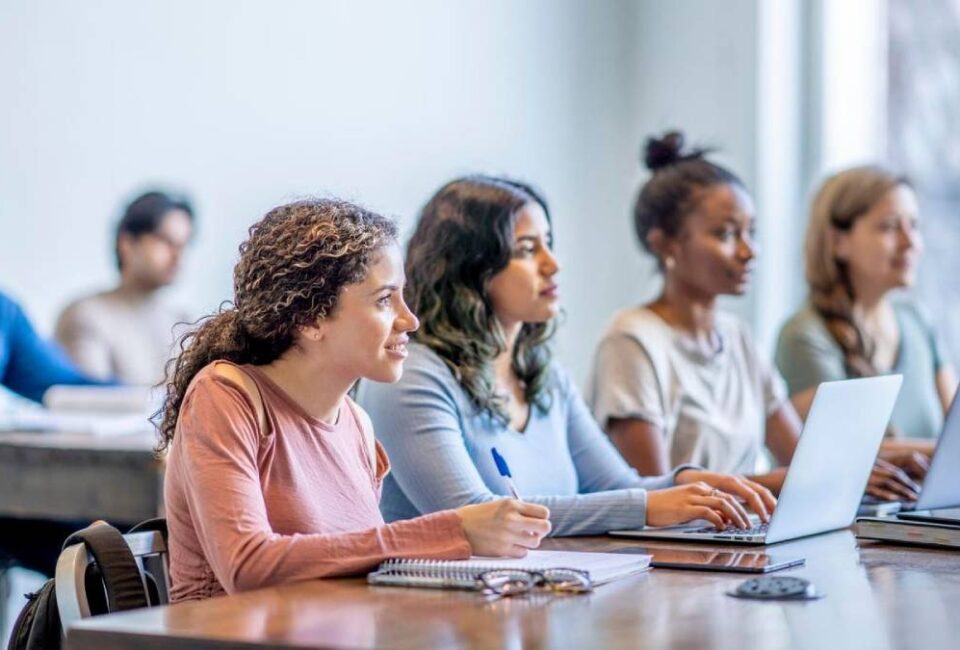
<point x="759" y="529"/>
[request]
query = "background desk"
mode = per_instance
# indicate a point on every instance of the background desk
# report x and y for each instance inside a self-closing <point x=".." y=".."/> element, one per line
<point x="877" y="597"/>
<point x="65" y="476"/>
<point x="79" y="476"/>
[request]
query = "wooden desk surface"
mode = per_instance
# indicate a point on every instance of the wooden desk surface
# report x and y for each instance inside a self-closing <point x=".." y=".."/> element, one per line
<point x="79" y="476"/>
<point x="877" y="597"/>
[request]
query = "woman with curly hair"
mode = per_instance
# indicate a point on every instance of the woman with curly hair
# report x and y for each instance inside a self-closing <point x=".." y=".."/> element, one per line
<point x="482" y="278"/>
<point x="273" y="472"/>
<point x="863" y="244"/>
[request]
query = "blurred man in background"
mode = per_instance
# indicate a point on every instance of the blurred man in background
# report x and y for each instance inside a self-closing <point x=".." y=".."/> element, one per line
<point x="126" y="333"/>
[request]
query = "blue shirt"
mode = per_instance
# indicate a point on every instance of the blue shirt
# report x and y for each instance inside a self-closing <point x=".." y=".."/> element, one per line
<point x="28" y="364"/>
<point x="439" y="449"/>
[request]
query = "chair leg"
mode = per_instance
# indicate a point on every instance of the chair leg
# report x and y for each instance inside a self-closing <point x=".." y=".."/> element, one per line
<point x="5" y="589"/>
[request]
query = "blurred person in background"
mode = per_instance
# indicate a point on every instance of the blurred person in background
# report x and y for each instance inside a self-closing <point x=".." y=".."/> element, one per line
<point x="863" y="244"/>
<point x="126" y="333"/>
<point x="29" y="365"/>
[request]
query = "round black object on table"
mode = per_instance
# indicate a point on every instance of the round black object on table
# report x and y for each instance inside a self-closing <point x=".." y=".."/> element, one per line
<point x="776" y="588"/>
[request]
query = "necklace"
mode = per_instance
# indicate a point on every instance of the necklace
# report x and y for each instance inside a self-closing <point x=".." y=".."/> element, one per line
<point x="706" y="352"/>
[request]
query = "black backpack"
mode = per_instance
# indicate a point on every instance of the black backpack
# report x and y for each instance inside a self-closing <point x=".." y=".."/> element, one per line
<point x="38" y="625"/>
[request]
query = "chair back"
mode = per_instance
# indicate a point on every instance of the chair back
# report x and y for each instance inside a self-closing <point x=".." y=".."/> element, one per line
<point x="80" y="588"/>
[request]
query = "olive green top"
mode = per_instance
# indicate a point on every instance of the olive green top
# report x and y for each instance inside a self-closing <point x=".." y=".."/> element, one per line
<point x="807" y="354"/>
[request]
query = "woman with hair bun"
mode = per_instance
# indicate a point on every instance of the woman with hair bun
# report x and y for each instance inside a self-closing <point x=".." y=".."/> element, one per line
<point x="677" y="380"/>
<point x="483" y="278"/>
<point x="273" y="473"/>
<point x="863" y="243"/>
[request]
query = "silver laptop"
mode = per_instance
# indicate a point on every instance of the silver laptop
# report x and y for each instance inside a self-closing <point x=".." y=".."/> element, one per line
<point x="940" y="496"/>
<point x="829" y="471"/>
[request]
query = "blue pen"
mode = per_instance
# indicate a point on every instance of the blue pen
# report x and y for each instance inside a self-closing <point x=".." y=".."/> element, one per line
<point x="504" y="472"/>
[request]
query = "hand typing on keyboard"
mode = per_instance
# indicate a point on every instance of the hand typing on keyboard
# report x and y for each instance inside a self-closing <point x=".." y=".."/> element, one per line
<point x="684" y="503"/>
<point x="756" y="497"/>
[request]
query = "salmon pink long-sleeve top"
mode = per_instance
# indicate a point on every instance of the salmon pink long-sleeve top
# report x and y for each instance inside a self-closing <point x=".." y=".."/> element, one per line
<point x="249" y="508"/>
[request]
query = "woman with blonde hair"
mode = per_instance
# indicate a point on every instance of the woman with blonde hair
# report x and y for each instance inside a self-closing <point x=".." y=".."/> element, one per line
<point x="273" y="472"/>
<point x="863" y="243"/>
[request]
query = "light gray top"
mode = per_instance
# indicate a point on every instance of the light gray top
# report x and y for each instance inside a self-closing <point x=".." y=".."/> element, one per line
<point x="120" y="335"/>
<point x="712" y="409"/>
<point x="807" y="354"/>
<point x="439" y="449"/>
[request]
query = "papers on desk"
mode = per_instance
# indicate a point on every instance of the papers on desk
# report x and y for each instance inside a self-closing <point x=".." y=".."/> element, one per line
<point x="462" y="574"/>
<point x="96" y="410"/>
<point x="101" y="399"/>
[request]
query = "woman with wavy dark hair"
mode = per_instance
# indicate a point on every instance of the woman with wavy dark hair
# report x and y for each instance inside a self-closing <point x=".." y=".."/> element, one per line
<point x="678" y="380"/>
<point x="864" y="243"/>
<point x="482" y="277"/>
<point x="273" y="472"/>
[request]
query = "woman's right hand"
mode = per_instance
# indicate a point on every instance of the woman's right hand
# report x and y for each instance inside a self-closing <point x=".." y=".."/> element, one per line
<point x="678" y="505"/>
<point x="914" y="463"/>
<point x="890" y="483"/>
<point x="504" y="528"/>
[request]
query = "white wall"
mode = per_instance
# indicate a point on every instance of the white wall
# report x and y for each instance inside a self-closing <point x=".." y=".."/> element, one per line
<point x="696" y="71"/>
<point x="853" y="93"/>
<point x="780" y="181"/>
<point x="729" y="75"/>
<point x="246" y="104"/>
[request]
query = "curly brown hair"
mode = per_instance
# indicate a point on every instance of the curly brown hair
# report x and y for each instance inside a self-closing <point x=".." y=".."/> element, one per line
<point x="839" y="202"/>
<point x="292" y="269"/>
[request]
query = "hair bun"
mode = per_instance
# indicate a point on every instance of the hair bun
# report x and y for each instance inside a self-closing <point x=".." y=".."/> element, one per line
<point x="666" y="150"/>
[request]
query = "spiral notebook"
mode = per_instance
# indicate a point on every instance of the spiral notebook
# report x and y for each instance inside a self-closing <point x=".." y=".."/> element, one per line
<point x="462" y="574"/>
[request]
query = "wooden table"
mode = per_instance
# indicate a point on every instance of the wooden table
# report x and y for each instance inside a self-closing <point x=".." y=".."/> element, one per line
<point x="876" y="597"/>
<point x="79" y="476"/>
